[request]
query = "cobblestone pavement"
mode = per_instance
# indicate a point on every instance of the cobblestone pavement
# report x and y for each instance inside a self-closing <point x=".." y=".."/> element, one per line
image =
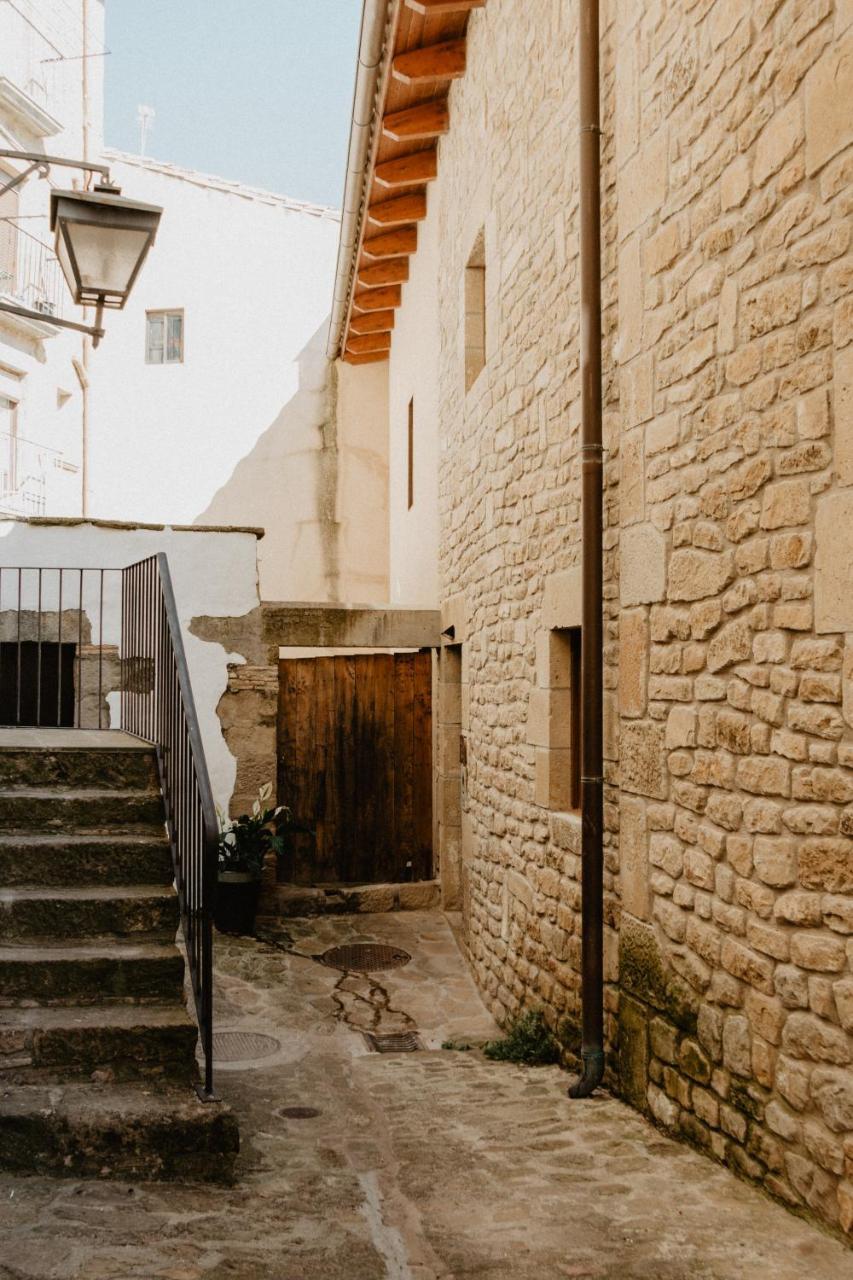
<point x="432" y="1165"/>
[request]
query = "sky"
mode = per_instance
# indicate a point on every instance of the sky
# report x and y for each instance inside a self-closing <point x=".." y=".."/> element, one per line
<point x="259" y="91"/>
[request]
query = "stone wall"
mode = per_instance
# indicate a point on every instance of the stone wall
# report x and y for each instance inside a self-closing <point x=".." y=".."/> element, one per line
<point x="728" y="177"/>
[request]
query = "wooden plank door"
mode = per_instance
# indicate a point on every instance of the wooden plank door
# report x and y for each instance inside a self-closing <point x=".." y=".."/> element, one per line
<point x="355" y="767"/>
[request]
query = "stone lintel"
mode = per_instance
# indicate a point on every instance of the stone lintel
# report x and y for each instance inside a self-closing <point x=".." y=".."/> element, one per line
<point x="321" y="626"/>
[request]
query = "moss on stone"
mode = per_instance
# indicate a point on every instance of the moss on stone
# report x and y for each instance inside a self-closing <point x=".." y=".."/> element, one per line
<point x="746" y="1098"/>
<point x="644" y="974"/>
<point x="633" y="1052"/>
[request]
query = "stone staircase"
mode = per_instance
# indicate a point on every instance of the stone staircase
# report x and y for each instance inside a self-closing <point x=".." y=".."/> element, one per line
<point x="97" y="1049"/>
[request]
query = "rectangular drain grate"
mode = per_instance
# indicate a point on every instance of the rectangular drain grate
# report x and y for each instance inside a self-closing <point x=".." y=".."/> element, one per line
<point x="393" y="1042"/>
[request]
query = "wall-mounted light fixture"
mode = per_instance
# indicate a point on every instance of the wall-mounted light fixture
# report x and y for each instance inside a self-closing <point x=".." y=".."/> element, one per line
<point x="102" y="239"/>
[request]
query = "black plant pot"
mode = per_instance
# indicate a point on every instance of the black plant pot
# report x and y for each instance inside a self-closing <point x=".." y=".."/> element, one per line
<point x="236" y="902"/>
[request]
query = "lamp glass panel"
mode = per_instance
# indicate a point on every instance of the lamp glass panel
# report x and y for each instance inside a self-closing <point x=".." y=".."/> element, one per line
<point x="106" y="256"/>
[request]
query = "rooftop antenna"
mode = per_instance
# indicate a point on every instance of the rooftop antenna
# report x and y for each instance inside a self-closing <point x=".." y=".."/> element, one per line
<point x="144" y="115"/>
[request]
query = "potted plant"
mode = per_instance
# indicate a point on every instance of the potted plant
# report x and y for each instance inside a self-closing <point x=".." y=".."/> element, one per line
<point x="244" y="843"/>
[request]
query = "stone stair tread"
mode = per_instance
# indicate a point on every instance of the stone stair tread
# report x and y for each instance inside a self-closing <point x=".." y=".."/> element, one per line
<point x="29" y="839"/>
<point x="90" y="949"/>
<point x="84" y="893"/>
<point x="83" y="1016"/>
<point x="75" y="793"/>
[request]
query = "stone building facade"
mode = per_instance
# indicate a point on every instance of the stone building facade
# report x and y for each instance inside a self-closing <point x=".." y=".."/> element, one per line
<point x="728" y="343"/>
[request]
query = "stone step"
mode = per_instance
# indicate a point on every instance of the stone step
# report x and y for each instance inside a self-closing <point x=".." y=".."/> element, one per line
<point x="125" y="769"/>
<point x="127" y="1042"/>
<point x="91" y="974"/>
<point x="40" y="810"/>
<point x="27" y="914"/>
<point x="124" y="1131"/>
<point x="84" y="859"/>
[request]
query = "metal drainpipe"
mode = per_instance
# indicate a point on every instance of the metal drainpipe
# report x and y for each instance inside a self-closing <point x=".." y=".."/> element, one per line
<point x="592" y="757"/>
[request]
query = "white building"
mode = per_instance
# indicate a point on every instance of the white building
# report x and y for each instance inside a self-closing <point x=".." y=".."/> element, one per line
<point x="51" y="100"/>
<point x="209" y="348"/>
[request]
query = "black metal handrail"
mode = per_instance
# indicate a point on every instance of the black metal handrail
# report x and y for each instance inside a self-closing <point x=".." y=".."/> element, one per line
<point x="157" y="704"/>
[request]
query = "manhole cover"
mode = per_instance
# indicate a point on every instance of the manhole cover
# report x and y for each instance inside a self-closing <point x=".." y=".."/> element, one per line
<point x="393" y="1042"/>
<point x="364" y="957"/>
<point x="241" y="1046"/>
<point x="298" y="1113"/>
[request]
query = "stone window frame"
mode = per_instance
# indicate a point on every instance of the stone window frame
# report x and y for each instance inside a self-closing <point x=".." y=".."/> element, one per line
<point x="554" y="720"/>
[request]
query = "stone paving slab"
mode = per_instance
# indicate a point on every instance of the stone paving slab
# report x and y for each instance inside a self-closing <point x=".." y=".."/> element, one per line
<point x="435" y="1165"/>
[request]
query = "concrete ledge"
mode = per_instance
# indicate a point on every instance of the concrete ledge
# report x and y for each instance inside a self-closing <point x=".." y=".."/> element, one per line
<point x="307" y="626"/>
<point x="73" y="521"/>
<point x="288" y="900"/>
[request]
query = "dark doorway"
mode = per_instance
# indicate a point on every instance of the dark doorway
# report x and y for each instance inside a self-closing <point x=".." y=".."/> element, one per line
<point x="355" y="767"/>
<point x="37" y="683"/>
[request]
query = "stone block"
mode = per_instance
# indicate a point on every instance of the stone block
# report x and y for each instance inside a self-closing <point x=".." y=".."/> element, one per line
<point x="630" y="300"/>
<point x="833" y="565"/>
<point x="552" y="778"/>
<point x="778" y="141"/>
<point x="842" y="381"/>
<point x="694" y="574"/>
<point x="562" y="605"/>
<point x="549" y="718"/>
<point x="553" y="666"/>
<point x="828" y="92"/>
<point x="633" y="857"/>
<point x="632" y="504"/>
<point x="633" y="1051"/>
<point x="642" y="576"/>
<point x="423" y="895"/>
<point x="633" y="662"/>
<point x="641" y="184"/>
<point x="784" y="504"/>
<point x="636" y="391"/>
<point x="643" y="759"/>
<point x="520" y="888"/>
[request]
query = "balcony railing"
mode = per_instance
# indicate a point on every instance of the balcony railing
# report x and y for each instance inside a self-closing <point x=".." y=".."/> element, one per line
<point x="24" y="467"/>
<point x="29" y="271"/>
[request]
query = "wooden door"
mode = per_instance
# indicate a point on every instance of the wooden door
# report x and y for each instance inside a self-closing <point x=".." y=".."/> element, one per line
<point x="355" y="767"/>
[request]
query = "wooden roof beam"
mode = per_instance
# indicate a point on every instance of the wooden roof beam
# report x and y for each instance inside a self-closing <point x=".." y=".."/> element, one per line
<point x="391" y="243"/>
<point x="372" y="322"/>
<point x="405" y="171"/>
<point x="367" y="357"/>
<point x="398" y="210"/>
<point x="392" y="271"/>
<point x="359" y="346"/>
<point x="444" y="61"/>
<point x="427" y="120"/>
<point x="429" y="7"/>
<point x="366" y="300"/>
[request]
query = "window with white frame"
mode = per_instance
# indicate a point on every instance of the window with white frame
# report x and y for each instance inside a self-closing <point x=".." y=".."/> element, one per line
<point x="164" y="337"/>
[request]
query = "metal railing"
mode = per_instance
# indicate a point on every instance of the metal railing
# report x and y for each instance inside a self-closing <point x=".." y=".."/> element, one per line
<point x="30" y="271"/>
<point x="95" y="648"/>
<point x="24" y="466"/>
<point x="157" y="704"/>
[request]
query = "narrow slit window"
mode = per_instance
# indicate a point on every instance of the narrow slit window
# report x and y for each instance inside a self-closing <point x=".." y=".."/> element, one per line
<point x="410" y="456"/>
<point x="475" y="312"/>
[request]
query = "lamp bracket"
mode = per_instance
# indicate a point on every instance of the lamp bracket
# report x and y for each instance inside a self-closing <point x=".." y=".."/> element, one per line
<point x="42" y="163"/>
<point x="94" y="331"/>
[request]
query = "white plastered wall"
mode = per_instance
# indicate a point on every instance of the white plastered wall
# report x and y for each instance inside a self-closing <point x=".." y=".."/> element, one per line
<point x="213" y="574"/>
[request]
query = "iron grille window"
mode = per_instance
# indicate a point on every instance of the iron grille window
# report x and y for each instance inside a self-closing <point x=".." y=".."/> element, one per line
<point x="164" y="337"/>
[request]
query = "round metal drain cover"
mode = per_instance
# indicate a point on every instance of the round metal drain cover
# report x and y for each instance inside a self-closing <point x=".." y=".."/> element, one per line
<point x="364" y="957"/>
<point x="298" y="1113"/>
<point x="242" y="1046"/>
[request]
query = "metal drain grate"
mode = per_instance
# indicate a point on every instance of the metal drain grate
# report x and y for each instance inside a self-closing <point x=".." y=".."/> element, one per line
<point x="364" y="957"/>
<point x="393" y="1042"/>
<point x="243" y="1046"/>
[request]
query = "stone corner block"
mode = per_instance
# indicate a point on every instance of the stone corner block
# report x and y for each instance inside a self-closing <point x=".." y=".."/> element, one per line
<point x="562" y="604"/>
<point x="642" y="577"/>
<point x="833" y="572"/>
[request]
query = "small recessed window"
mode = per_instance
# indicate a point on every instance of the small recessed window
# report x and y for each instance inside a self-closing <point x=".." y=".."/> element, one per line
<point x="475" y="311"/>
<point x="410" y="447"/>
<point x="164" y="337"/>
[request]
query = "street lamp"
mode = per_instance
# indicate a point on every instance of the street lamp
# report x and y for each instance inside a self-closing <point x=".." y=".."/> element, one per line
<point x="102" y="240"/>
<point x="101" y="243"/>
